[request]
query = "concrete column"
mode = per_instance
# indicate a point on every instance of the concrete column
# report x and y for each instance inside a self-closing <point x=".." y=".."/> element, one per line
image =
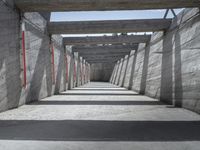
<point x="88" y="73"/>
<point x="117" y="69"/>
<point x="123" y="80"/>
<point x="132" y="71"/>
<point x="145" y="70"/>
<point x="65" y="71"/>
<point x="120" y="70"/>
<point x="112" y="76"/>
<point x="84" y="72"/>
<point x="76" y="70"/>
<point x="78" y="83"/>
<point x="71" y="72"/>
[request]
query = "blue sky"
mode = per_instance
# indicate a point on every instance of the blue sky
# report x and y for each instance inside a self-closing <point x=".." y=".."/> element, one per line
<point x="108" y="15"/>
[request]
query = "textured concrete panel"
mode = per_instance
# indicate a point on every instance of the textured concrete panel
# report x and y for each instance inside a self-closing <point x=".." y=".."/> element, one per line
<point x="123" y="71"/>
<point x="90" y="5"/>
<point x="173" y="74"/>
<point x="129" y="68"/>
<point x="101" y="71"/>
<point x="38" y="59"/>
<point x="136" y="82"/>
<point x="119" y="72"/>
<point x="109" y="26"/>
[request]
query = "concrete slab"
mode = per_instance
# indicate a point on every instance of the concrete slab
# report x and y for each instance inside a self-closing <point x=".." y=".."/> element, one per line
<point x="99" y="116"/>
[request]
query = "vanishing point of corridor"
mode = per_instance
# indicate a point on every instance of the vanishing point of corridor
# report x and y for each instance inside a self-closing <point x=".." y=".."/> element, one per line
<point x="99" y="116"/>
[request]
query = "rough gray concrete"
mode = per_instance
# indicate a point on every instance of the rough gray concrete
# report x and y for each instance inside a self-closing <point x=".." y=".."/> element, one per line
<point x="167" y="67"/>
<point x="38" y="58"/>
<point x="82" y="5"/>
<point x="99" y="116"/>
<point x="101" y="71"/>
<point x="123" y="71"/>
<point x="106" y="39"/>
<point x="109" y="26"/>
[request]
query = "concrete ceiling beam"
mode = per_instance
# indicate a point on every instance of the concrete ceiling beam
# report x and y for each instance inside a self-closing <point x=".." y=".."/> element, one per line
<point x="101" y="5"/>
<point x="103" y="54"/>
<point x="108" y="26"/>
<point x="104" y="49"/>
<point x="106" y="39"/>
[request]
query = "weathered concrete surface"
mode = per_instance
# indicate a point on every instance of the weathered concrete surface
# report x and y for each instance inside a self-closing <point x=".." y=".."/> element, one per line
<point x="167" y="68"/>
<point x="129" y="69"/>
<point x="104" y="48"/>
<point x="101" y="71"/>
<point x="99" y="116"/>
<point x="108" y="26"/>
<point x="176" y="59"/>
<point x="119" y="71"/>
<point x="137" y="78"/>
<point x="106" y="39"/>
<point x="38" y="59"/>
<point x="123" y="71"/>
<point x="89" y="5"/>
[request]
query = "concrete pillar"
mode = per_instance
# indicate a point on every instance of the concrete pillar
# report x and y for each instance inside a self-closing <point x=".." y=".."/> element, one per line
<point x="75" y="76"/>
<point x="84" y="77"/>
<point x="115" y="77"/>
<point x="113" y="73"/>
<point x="65" y="69"/>
<point x="120" y="71"/>
<point x="89" y="72"/>
<point x="71" y="72"/>
<point x="145" y="70"/>
<point x="78" y="75"/>
<point x="86" y="72"/>
<point x="132" y="71"/>
<point x="126" y="66"/>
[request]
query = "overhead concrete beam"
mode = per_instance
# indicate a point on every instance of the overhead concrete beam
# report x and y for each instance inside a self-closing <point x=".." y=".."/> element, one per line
<point x="108" y="60"/>
<point x="106" y="39"/>
<point x="103" y="54"/>
<point x="104" y="57"/>
<point x="109" y="26"/>
<point x="104" y="49"/>
<point x="91" y="5"/>
<point x="111" y="58"/>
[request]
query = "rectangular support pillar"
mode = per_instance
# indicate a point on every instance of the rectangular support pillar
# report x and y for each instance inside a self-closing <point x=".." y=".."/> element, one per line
<point x="132" y="71"/>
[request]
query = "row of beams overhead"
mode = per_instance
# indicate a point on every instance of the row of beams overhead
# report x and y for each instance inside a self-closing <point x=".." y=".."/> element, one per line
<point x="99" y="5"/>
<point x="112" y="26"/>
<point x="104" y="49"/>
<point x="106" y="39"/>
<point x="99" y="49"/>
<point x="104" y="53"/>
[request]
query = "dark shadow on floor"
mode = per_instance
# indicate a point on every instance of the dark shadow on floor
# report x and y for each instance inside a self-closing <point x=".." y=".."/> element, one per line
<point x="91" y="130"/>
<point x="100" y="94"/>
<point x="98" y="103"/>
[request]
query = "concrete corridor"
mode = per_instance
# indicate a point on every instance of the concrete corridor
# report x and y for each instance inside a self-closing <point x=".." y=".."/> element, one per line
<point x="99" y="116"/>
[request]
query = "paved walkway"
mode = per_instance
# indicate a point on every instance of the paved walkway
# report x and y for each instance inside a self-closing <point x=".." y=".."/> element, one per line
<point x="99" y="116"/>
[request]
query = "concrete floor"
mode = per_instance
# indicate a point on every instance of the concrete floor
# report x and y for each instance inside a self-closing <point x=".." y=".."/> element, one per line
<point x="99" y="116"/>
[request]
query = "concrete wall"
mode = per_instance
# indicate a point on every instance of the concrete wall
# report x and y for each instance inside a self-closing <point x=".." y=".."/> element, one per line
<point x="38" y="59"/>
<point x="167" y="67"/>
<point x="101" y="72"/>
